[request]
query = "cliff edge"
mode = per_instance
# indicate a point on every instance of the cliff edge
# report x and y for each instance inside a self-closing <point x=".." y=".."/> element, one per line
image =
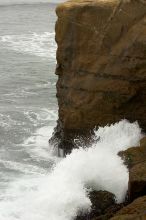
<point x="101" y="64"/>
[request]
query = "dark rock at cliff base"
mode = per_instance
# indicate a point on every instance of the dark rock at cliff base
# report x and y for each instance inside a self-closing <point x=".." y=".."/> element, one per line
<point x="135" y="159"/>
<point x="134" y="211"/>
<point x="101" y="63"/>
<point x="143" y="142"/>
<point x="130" y="217"/>
<point x="134" y="155"/>
<point x="65" y="140"/>
<point x="137" y="181"/>
<point x="103" y="206"/>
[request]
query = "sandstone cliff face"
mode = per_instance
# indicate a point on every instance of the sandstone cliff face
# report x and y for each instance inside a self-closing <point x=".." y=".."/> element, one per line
<point x="101" y="60"/>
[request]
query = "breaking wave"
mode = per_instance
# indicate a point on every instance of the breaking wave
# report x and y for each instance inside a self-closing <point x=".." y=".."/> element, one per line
<point x="63" y="193"/>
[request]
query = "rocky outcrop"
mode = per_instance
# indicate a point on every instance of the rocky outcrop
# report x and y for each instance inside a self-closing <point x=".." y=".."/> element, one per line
<point x="135" y="159"/>
<point x="101" y="65"/>
<point x="134" y="155"/>
<point x="103" y="206"/>
<point x="137" y="181"/>
<point x="101" y="68"/>
<point x="134" y="211"/>
<point x="103" y="203"/>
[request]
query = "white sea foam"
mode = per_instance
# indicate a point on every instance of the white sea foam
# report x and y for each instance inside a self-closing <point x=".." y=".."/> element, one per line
<point x="37" y="144"/>
<point x="41" y="115"/>
<point x="22" y="167"/>
<point x="61" y="194"/>
<point x="42" y="45"/>
<point x="6" y="121"/>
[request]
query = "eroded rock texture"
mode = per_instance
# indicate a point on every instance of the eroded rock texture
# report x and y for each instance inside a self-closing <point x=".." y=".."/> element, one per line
<point x="103" y="206"/>
<point x="134" y="211"/>
<point x="101" y="66"/>
<point x="135" y="159"/>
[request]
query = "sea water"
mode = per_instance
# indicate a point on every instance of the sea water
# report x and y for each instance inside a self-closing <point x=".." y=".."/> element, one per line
<point x="35" y="184"/>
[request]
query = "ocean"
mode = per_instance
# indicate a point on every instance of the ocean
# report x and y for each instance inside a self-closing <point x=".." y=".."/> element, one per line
<point x="27" y="82"/>
<point x="28" y="106"/>
<point x="34" y="183"/>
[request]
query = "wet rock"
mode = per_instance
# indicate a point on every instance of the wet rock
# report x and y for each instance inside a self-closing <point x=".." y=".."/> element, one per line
<point x="134" y="211"/>
<point x="143" y="142"/>
<point x="103" y="206"/>
<point x="135" y="159"/>
<point x="134" y="155"/>
<point x="65" y="140"/>
<point x="137" y="181"/>
<point x="130" y="217"/>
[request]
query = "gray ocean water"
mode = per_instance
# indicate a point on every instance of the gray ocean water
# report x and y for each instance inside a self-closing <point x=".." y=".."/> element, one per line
<point x="28" y="106"/>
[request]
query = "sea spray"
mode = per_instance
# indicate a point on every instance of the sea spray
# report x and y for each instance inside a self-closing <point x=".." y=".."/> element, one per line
<point x="63" y="193"/>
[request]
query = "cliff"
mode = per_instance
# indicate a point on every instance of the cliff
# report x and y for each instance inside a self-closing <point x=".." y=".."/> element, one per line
<point x="101" y="64"/>
<point x="101" y="68"/>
